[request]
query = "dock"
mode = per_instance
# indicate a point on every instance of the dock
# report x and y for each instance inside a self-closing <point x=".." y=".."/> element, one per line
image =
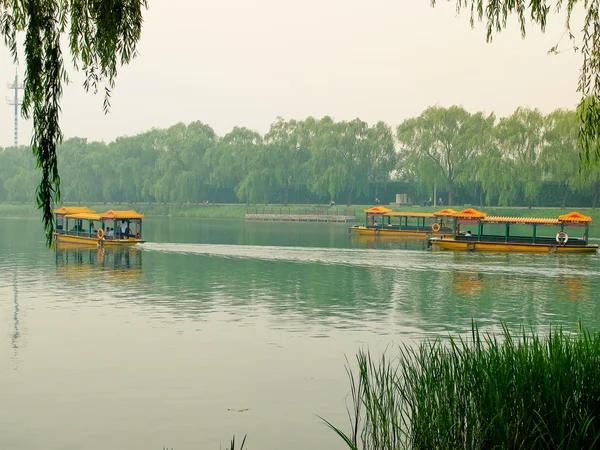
<point x="286" y="214"/>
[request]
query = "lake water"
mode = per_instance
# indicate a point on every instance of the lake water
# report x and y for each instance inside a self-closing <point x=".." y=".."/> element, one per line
<point x="218" y="327"/>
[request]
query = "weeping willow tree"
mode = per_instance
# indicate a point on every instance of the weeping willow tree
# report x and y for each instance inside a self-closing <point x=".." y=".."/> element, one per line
<point x="102" y="35"/>
<point x="495" y="14"/>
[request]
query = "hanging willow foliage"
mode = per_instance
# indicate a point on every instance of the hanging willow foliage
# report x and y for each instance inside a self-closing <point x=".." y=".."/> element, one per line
<point x="496" y="12"/>
<point x="103" y="35"/>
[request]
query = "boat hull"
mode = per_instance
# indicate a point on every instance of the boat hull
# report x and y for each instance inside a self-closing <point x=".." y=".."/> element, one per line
<point x="451" y="244"/>
<point x="362" y="231"/>
<point x="64" y="238"/>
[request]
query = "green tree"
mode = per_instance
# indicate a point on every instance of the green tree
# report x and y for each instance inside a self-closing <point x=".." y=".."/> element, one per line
<point x="341" y="157"/>
<point x="520" y="138"/>
<point x="443" y="142"/>
<point x="228" y="160"/>
<point x="561" y="151"/>
<point x="287" y="156"/>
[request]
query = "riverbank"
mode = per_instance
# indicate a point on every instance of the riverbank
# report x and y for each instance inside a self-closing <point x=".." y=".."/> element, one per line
<point x="238" y="211"/>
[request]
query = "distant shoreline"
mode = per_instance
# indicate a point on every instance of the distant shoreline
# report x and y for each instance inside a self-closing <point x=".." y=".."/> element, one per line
<point x="238" y="211"/>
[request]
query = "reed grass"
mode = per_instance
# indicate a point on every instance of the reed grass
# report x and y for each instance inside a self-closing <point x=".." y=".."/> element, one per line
<point x="484" y="392"/>
<point x="231" y="445"/>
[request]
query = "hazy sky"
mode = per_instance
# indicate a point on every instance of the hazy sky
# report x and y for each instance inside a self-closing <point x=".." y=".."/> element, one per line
<point x="245" y="62"/>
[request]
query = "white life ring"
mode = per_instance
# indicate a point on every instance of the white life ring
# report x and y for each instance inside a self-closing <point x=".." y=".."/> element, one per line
<point x="562" y="238"/>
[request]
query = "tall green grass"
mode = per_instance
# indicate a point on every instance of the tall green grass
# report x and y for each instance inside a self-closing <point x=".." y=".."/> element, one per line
<point x="529" y="392"/>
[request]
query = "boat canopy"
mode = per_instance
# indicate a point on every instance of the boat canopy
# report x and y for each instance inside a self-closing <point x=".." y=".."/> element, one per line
<point x="66" y="210"/>
<point x="377" y="210"/>
<point x="448" y="212"/>
<point x="85" y="216"/>
<point x="575" y="217"/>
<point x="130" y="214"/>
<point x="470" y="213"/>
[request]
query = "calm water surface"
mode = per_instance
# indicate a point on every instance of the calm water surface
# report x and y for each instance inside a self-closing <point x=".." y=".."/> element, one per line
<point x="222" y="327"/>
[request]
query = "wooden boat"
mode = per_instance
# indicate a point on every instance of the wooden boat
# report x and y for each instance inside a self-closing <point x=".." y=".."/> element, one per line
<point x="81" y="225"/>
<point x="507" y="242"/>
<point x="383" y="222"/>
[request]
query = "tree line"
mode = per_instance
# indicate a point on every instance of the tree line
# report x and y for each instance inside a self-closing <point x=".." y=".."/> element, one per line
<point x="524" y="159"/>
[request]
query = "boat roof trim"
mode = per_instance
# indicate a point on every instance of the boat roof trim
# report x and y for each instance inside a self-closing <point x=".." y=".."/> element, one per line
<point x="117" y="214"/>
<point x="408" y="214"/>
<point x="523" y="220"/>
<point x="83" y="215"/>
<point x="73" y="210"/>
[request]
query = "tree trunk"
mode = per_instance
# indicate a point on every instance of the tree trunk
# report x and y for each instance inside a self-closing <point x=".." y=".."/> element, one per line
<point x="286" y="192"/>
<point x="481" y="196"/>
<point x="595" y="201"/>
<point x="215" y="194"/>
<point x="450" y="193"/>
<point x="350" y="197"/>
<point x="564" y="202"/>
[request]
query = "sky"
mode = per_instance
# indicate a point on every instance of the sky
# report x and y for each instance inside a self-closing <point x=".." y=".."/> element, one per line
<point x="245" y="62"/>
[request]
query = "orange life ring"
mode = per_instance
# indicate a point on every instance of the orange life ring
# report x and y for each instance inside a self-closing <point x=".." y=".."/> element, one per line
<point x="435" y="227"/>
<point x="562" y="238"/>
<point x="100" y="233"/>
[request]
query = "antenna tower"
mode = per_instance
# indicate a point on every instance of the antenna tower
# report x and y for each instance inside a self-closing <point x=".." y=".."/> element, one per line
<point x="15" y="86"/>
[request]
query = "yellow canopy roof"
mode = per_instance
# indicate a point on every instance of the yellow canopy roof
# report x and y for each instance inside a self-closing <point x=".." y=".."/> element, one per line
<point x="574" y="217"/>
<point x="524" y="220"/>
<point x="83" y="215"/>
<point x="408" y="214"/>
<point x="73" y="210"/>
<point x="470" y="213"/>
<point x="130" y="214"/>
<point x="446" y="212"/>
<point x="378" y="210"/>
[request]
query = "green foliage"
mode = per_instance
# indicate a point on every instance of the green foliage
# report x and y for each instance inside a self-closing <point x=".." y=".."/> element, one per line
<point x="443" y="142"/>
<point x="484" y="392"/>
<point x="524" y="159"/>
<point x="496" y="13"/>
<point x="102" y="35"/>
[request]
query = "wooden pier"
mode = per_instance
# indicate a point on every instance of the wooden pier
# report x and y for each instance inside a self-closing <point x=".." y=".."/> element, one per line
<point x="287" y="214"/>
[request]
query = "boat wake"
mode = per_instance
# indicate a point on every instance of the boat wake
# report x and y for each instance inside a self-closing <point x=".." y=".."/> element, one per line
<point x="541" y="265"/>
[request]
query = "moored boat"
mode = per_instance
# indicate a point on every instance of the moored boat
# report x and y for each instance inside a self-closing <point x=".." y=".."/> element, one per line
<point x="82" y="225"/>
<point x="382" y="221"/>
<point x="536" y="241"/>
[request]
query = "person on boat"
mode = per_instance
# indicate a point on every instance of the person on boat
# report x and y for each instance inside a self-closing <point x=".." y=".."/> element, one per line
<point x="375" y="224"/>
<point x="92" y="228"/>
<point x="123" y="229"/>
<point x="468" y="233"/>
<point x="110" y="232"/>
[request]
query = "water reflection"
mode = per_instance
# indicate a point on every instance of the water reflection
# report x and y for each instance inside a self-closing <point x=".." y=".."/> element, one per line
<point x="389" y="242"/>
<point x="81" y="261"/>
<point x="467" y="283"/>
